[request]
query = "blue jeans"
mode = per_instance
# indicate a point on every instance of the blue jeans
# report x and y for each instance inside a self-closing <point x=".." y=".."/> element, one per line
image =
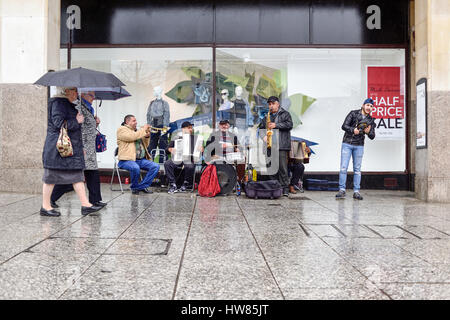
<point x="134" y="167"/>
<point x="347" y="151"/>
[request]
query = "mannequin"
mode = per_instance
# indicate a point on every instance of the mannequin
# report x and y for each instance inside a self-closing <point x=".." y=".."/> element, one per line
<point x="158" y="116"/>
<point x="157" y="92"/>
<point x="241" y="114"/>
<point x="225" y="106"/>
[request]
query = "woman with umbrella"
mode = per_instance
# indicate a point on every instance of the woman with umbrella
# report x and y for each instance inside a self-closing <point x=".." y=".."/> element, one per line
<point x="88" y="133"/>
<point x="64" y="170"/>
<point x="68" y="170"/>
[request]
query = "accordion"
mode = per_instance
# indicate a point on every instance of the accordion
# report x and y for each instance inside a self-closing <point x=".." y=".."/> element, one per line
<point x="298" y="151"/>
<point x="184" y="151"/>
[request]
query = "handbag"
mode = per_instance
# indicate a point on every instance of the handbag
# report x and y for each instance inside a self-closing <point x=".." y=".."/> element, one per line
<point x="100" y="142"/>
<point x="63" y="144"/>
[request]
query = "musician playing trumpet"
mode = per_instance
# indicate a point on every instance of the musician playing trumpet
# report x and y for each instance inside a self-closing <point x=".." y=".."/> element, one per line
<point x="187" y="132"/>
<point x="278" y="122"/>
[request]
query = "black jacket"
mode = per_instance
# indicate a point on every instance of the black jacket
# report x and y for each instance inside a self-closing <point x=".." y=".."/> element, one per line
<point x="60" y="109"/>
<point x="354" y="119"/>
<point x="283" y="121"/>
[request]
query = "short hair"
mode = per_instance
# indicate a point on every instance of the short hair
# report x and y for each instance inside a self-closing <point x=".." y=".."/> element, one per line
<point x="127" y="117"/>
<point x="273" y="99"/>
<point x="61" y="91"/>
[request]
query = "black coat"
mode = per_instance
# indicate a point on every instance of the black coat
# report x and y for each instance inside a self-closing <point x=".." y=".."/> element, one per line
<point x="60" y="109"/>
<point x="353" y="119"/>
<point x="284" y="124"/>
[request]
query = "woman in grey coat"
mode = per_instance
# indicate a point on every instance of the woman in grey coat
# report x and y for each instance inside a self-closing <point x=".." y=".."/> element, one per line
<point x="89" y="133"/>
<point x="67" y="170"/>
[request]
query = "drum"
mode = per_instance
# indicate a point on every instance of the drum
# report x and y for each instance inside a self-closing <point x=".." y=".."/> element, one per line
<point x="231" y="157"/>
<point x="226" y="174"/>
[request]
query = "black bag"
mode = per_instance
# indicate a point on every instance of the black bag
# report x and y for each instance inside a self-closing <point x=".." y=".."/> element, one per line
<point x="270" y="189"/>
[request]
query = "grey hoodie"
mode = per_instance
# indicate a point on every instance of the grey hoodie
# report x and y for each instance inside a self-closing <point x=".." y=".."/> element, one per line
<point x="158" y="113"/>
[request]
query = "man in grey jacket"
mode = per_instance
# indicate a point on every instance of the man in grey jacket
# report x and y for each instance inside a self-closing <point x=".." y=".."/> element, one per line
<point x="158" y="116"/>
<point x="281" y="124"/>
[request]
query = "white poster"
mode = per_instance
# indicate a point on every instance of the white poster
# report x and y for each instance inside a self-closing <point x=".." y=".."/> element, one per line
<point x="421" y="90"/>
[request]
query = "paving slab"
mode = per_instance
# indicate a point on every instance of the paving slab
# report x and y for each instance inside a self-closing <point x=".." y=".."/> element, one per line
<point x="181" y="246"/>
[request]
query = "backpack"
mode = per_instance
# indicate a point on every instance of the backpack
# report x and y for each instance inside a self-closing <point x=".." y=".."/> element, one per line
<point x="209" y="184"/>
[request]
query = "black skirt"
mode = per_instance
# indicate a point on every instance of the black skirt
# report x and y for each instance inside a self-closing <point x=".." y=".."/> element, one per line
<point x="54" y="176"/>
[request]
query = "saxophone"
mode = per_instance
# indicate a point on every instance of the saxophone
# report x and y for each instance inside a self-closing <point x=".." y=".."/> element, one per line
<point x="269" y="132"/>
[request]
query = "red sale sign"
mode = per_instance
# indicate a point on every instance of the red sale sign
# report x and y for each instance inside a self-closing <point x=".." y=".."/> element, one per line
<point x="383" y="86"/>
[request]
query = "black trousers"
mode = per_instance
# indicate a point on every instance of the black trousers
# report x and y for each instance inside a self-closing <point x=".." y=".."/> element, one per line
<point x="282" y="175"/>
<point x="189" y="169"/>
<point x="297" y="170"/>
<point x="92" y="182"/>
<point x="158" y="140"/>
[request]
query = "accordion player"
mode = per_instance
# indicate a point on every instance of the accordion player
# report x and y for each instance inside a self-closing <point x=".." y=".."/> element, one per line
<point x="186" y="150"/>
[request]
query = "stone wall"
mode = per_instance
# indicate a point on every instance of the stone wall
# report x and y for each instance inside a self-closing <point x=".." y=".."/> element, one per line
<point x="23" y="116"/>
<point x="432" y="61"/>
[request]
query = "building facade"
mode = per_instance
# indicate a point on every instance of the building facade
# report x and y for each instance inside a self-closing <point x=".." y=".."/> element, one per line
<point x="322" y="58"/>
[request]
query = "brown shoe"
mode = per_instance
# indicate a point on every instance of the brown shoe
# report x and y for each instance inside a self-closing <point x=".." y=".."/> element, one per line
<point x="292" y="189"/>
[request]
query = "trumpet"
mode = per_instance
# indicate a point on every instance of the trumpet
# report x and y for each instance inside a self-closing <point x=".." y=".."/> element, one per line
<point x="162" y="130"/>
<point x="269" y="132"/>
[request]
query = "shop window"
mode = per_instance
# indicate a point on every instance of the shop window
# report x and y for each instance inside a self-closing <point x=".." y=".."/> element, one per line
<point x="184" y="74"/>
<point x="319" y="87"/>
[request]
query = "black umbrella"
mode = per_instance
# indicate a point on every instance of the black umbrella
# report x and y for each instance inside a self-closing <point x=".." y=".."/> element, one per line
<point x="80" y="78"/>
<point x="107" y="93"/>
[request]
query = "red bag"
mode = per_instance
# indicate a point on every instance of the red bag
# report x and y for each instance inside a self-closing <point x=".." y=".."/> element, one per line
<point x="209" y="184"/>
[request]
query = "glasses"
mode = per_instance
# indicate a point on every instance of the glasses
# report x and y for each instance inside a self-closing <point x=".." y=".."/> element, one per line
<point x="224" y="94"/>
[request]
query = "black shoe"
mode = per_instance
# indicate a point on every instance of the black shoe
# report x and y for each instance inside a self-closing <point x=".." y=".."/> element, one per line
<point x="86" y="210"/>
<point x="147" y="190"/>
<point x="357" y="196"/>
<point x="100" y="204"/>
<point x="185" y="187"/>
<point x="173" y="189"/>
<point x="340" y="194"/>
<point x="286" y="192"/>
<point x="134" y="191"/>
<point x="50" y="213"/>
<point x="53" y="204"/>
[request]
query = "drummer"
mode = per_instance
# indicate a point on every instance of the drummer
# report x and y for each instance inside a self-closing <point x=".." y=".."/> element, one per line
<point x="220" y="143"/>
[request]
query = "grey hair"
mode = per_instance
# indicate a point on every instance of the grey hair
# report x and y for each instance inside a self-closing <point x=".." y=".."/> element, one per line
<point x="61" y="92"/>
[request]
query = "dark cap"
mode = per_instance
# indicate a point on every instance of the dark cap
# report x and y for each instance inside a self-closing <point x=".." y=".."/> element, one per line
<point x="368" y="100"/>
<point x="223" y="121"/>
<point x="272" y="99"/>
<point x="186" y="124"/>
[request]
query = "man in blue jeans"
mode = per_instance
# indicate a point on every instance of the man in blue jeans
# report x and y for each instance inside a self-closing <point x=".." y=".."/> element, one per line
<point x="133" y="155"/>
<point x="357" y="124"/>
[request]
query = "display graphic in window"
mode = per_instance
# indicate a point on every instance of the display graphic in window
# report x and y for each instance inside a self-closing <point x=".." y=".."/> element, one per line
<point x="385" y="88"/>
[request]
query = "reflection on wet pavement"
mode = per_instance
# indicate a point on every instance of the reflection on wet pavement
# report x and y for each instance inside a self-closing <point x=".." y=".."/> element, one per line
<point x="180" y="246"/>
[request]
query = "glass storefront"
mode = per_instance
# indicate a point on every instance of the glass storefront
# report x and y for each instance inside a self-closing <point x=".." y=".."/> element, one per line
<point x="184" y="74"/>
<point x="318" y="86"/>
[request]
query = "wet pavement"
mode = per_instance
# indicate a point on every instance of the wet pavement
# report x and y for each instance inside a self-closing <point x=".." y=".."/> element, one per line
<point x="180" y="246"/>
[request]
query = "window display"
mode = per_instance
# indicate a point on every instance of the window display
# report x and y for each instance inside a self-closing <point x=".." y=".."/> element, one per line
<point x="317" y="86"/>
